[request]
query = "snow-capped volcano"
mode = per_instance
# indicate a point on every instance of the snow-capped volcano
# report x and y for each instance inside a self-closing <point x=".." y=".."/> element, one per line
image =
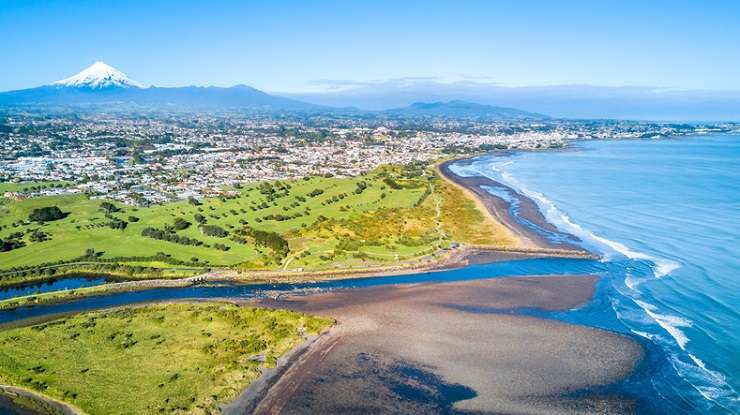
<point x="101" y="86"/>
<point x="99" y="76"/>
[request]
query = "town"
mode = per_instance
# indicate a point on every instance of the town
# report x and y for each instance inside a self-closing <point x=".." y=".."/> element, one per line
<point x="144" y="159"/>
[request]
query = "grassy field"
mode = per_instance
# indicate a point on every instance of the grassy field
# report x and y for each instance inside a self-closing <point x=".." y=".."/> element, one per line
<point x="173" y="358"/>
<point x="390" y="214"/>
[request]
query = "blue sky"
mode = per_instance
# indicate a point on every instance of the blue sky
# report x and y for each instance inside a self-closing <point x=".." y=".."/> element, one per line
<point x="290" y="45"/>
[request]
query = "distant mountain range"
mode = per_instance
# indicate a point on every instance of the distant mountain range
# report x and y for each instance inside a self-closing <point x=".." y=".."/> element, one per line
<point x="561" y="101"/>
<point x="460" y="109"/>
<point x="102" y="86"/>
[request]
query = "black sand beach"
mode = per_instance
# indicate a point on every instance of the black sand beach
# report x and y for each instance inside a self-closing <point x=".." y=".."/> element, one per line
<point x="499" y="209"/>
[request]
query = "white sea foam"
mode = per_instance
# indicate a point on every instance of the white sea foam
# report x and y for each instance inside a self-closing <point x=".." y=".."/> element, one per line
<point x="644" y="334"/>
<point x="710" y="384"/>
<point x="716" y="376"/>
<point x="632" y="282"/>
<point x="668" y="322"/>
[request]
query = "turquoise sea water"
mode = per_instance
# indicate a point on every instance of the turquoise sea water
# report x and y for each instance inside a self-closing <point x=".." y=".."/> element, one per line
<point x="666" y="216"/>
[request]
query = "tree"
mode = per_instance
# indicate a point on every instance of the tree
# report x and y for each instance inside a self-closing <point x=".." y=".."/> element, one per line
<point x="109" y="207"/>
<point x="38" y="236"/>
<point x="46" y="214"/>
<point x="181" y="224"/>
<point x="214" y="230"/>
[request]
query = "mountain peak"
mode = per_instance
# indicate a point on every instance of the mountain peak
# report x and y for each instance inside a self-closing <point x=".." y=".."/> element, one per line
<point x="99" y="76"/>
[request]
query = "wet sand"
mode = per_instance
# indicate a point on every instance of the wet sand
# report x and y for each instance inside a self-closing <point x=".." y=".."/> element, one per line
<point x="499" y="209"/>
<point x="458" y="347"/>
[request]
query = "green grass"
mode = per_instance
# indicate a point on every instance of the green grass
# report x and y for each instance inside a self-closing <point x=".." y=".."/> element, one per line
<point x="173" y="358"/>
<point x="385" y="222"/>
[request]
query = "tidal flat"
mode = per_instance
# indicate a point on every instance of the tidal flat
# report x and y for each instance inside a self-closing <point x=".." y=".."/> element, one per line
<point x="454" y="348"/>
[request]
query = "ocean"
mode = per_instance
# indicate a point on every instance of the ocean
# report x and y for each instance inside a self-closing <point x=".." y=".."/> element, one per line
<point x="665" y="215"/>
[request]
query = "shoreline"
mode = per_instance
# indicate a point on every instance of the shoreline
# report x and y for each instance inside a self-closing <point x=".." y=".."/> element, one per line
<point x="499" y="209"/>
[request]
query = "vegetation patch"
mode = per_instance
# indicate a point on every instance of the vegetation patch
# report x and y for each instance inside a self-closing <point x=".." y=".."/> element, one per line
<point x="173" y="358"/>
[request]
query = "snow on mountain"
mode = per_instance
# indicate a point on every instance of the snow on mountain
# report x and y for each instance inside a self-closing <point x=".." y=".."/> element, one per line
<point x="99" y="76"/>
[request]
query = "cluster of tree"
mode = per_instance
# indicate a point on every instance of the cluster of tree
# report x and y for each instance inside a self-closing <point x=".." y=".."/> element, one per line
<point x="424" y="196"/>
<point x="274" y="191"/>
<point x="117" y="224"/>
<point x="280" y="217"/>
<point x="109" y="208"/>
<point x="221" y="247"/>
<point x="315" y="192"/>
<point x="11" y="244"/>
<point x="92" y="255"/>
<point x="38" y="236"/>
<point x="163" y="235"/>
<point x="214" y="230"/>
<point x="270" y="240"/>
<point x="263" y="205"/>
<point x="334" y="199"/>
<point x="266" y="188"/>
<point x="50" y="185"/>
<point x="46" y="214"/>
<point x="361" y="186"/>
<point x="181" y="224"/>
<point x="392" y="183"/>
<point x="200" y="219"/>
<point x="414" y="169"/>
